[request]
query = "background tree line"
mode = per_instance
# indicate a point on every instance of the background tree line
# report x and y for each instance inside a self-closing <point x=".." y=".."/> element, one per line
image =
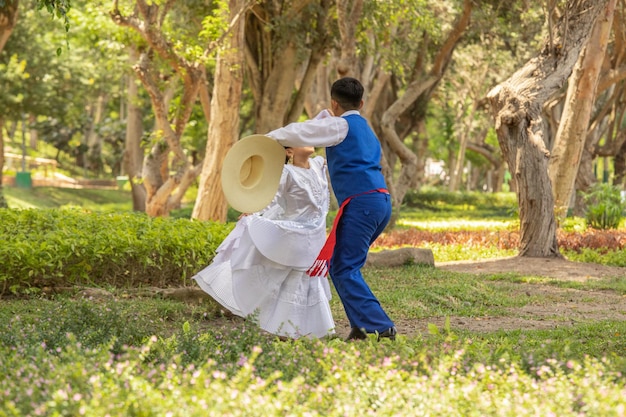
<point x="160" y="90"/>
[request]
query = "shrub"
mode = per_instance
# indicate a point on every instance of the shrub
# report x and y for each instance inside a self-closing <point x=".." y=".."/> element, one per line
<point x="46" y="248"/>
<point x="604" y="206"/>
<point x="436" y="200"/>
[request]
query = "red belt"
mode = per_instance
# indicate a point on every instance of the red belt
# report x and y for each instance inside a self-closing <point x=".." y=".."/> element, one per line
<point x="322" y="262"/>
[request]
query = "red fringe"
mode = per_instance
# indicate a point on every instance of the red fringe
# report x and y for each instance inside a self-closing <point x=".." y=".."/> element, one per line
<point x="322" y="264"/>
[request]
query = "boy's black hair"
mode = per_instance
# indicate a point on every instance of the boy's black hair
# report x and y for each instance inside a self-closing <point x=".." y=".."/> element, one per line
<point x="348" y="92"/>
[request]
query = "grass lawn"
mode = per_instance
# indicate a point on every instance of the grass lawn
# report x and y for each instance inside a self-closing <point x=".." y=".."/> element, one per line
<point x="52" y="197"/>
<point x="124" y="354"/>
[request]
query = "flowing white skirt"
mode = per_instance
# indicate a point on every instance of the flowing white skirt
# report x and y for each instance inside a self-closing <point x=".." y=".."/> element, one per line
<point x="284" y="299"/>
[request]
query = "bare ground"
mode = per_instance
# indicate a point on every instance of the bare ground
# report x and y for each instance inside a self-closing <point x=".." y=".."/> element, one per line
<point x="564" y="307"/>
<point x="559" y="306"/>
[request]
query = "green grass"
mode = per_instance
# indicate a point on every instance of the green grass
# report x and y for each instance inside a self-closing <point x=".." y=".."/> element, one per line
<point x="419" y="292"/>
<point x="457" y="223"/>
<point x="142" y="356"/>
<point x="125" y="355"/>
<point x="52" y="197"/>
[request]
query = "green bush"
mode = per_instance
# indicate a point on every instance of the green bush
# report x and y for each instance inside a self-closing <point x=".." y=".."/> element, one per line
<point x="185" y="213"/>
<point x="46" y="248"/>
<point x="604" y="206"/>
<point x="435" y="199"/>
<point x="595" y="256"/>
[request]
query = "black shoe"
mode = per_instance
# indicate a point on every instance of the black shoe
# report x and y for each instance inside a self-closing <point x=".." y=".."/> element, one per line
<point x="390" y="334"/>
<point x="356" y="334"/>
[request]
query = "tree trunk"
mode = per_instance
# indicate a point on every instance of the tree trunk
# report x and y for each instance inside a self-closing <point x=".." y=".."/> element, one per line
<point x="224" y="127"/>
<point x="321" y="43"/>
<point x="465" y="120"/>
<point x="3" y="202"/>
<point x="517" y="108"/>
<point x="167" y="172"/>
<point x="277" y="92"/>
<point x="572" y="131"/>
<point x="93" y="140"/>
<point x="348" y="15"/>
<point x="8" y="18"/>
<point x="620" y="167"/>
<point x="133" y="153"/>
<point x="417" y="93"/>
<point x="420" y="147"/>
<point x="456" y="177"/>
<point x="33" y="133"/>
<point x="275" y="59"/>
<point x="585" y="178"/>
<point x="407" y="158"/>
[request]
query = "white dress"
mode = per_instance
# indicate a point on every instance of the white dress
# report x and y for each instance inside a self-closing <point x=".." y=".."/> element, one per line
<point x="260" y="268"/>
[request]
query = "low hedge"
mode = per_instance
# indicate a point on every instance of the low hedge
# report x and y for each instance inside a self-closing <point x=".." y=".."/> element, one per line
<point x="53" y="247"/>
<point x="436" y="199"/>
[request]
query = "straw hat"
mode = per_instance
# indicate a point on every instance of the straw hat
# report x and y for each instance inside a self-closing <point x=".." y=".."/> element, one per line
<point x="251" y="172"/>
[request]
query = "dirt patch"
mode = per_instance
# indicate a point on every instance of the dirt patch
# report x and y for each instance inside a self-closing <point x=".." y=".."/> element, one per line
<point x="556" y="268"/>
<point x="559" y="306"/>
<point x="565" y="307"/>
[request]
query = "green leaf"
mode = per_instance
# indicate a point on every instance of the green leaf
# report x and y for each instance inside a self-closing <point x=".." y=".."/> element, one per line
<point x="433" y="329"/>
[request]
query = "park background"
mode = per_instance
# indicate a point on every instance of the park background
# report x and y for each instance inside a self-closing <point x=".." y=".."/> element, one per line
<point x="115" y="117"/>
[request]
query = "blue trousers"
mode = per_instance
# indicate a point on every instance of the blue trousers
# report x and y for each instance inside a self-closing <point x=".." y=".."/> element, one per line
<point x="364" y="219"/>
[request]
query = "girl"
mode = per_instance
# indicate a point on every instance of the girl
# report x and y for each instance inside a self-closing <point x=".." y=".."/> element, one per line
<point x="260" y="268"/>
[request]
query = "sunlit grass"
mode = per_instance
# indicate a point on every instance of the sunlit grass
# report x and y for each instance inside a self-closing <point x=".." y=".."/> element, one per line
<point x="53" y="197"/>
<point x="459" y="224"/>
<point x="450" y="253"/>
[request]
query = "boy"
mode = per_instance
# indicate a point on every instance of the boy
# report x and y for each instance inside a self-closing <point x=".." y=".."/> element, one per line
<point x="353" y="155"/>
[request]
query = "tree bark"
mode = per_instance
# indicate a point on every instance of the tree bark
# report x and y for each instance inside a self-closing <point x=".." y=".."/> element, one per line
<point x="3" y="202"/>
<point x="586" y="177"/>
<point x="348" y="15"/>
<point x="277" y="91"/>
<point x="620" y="167"/>
<point x="8" y="19"/>
<point x="572" y="130"/>
<point x="133" y="153"/>
<point x="456" y="176"/>
<point x="319" y="47"/>
<point x="417" y="93"/>
<point x="407" y="158"/>
<point x="224" y="127"/>
<point x="517" y="109"/>
<point x="93" y="140"/>
<point x="33" y="133"/>
<point x="275" y="57"/>
<point x="167" y="172"/>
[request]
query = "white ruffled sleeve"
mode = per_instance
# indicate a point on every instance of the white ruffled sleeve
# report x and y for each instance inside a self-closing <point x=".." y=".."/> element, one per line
<point x="323" y="131"/>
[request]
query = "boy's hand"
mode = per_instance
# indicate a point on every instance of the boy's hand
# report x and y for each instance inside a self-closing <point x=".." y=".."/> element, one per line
<point x="324" y="114"/>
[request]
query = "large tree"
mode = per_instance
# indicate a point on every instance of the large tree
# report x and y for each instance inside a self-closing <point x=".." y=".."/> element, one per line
<point x="574" y="123"/>
<point x="133" y="152"/>
<point x="167" y="170"/>
<point x="285" y="43"/>
<point x="606" y="137"/>
<point x="224" y="127"/>
<point x="401" y="83"/>
<point x="517" y="108"/>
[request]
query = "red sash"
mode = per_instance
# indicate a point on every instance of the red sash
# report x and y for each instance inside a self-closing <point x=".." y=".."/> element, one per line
<point x="322" y="262"/>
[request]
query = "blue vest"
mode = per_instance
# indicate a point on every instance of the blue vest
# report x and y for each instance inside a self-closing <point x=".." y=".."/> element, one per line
<point x="354" y="164"/>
